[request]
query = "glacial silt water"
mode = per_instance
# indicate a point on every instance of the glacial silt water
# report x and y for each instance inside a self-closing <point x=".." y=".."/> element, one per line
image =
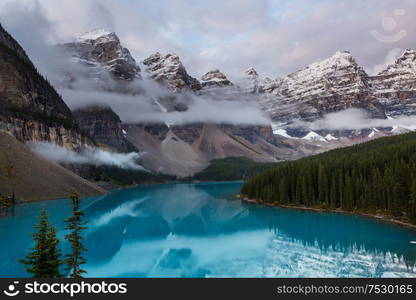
<point x="201" y="230"/>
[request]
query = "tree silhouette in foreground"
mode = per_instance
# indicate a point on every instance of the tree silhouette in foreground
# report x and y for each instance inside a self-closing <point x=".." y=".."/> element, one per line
<point x="75" y="224"/>
<point x="44" y="260"/>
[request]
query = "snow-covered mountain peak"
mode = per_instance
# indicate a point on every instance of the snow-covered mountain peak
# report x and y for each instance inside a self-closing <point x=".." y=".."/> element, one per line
<point x="96" y="34"/>
<point x="406" y="63"/>
<point x="251" y="72"/>
<point x="408" y="54"/>
<point x="169" y="69"/>
<point x="340" y="63"/>
<point x="215" y="78"/>
<point x="333" y="84"/>
<point x="102" y="48"/>
<point x="395" y="87"/>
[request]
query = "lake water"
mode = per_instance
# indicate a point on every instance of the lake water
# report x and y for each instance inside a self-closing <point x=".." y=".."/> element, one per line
<point x="200" y="230"/>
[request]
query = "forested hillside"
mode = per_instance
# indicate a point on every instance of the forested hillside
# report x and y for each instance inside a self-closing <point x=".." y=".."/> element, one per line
<point x="377" y="176"/>
<point x="231" y="168"/>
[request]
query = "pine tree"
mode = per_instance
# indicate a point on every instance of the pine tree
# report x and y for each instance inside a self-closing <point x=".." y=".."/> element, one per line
<point x="45" y="259"/>
<point x="412" y="201"/>
<point x="377" y="176"/>
<point x="74" y="260"/>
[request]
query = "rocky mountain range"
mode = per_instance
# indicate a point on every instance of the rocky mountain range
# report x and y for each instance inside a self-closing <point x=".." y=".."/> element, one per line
<point x="174" y="148"/>
<point x="338" y="83"/>
<point x="34" y="111"/>
<point x="331" y="85"/>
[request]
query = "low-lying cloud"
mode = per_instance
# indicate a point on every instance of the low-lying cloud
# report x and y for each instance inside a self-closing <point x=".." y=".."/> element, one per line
<point x="243" y="110"/>
<point x="95" y="156"/>
<point x="355" y="118"/>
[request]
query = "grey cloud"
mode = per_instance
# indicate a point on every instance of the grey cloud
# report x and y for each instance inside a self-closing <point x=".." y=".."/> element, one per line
<point x="233" y="35"/>
<point x="140" y="109"/>
<point x="94" y="156"/>
<point x="354" y="118"/>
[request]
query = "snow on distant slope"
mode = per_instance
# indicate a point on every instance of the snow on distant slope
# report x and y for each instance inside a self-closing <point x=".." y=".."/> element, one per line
<point x="278" y="130"/>
<point x="314" y="137"/>
<point x="330" y="137"/>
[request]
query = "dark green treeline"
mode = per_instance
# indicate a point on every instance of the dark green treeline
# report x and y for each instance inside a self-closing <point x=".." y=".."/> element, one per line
<point x="379" y="175"/>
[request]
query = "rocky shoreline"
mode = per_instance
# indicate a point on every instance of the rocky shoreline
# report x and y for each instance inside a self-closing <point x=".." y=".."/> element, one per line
<point x="378" y="217"/>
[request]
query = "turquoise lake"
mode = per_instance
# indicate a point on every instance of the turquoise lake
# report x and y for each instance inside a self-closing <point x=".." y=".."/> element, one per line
<point x="201" y="230"/>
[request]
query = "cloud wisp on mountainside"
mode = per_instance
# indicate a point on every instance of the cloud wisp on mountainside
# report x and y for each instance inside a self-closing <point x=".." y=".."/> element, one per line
<point x="93" y="156"/>
<point x="354" y="118"/>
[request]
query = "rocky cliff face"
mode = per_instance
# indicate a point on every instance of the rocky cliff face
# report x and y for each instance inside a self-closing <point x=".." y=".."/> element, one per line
<point x="168" y="69"/>
<point x="215" y="78"/>
<point x="103" y="49"/>
<point x="104" y="125"/>
<point x="31" y="109"/>
<point x="395" y="87"/>
<point x="334" y="84"/>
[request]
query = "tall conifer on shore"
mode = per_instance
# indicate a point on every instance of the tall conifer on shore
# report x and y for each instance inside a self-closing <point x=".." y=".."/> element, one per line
<point x="45" y="259"/>
<point x="75" y="224"/>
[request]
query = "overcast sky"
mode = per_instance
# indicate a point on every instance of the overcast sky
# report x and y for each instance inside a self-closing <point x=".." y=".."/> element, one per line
<point x="275" y="37"/>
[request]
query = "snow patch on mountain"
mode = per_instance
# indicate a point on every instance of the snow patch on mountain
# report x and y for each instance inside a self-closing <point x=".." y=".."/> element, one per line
<point x="314" y="137"/>
<point x="330" y="137"/>
<point x="169" y="69"/>
<point x="102" y="49"/>
<point x="215" y="78"/>
<point x="94" y="35"/>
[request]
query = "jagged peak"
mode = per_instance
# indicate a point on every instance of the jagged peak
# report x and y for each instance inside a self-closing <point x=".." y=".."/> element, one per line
<point x="408" y="54"/>
<point x="100" y="46"/>
<point x="157" y="57"/>
<point x="96" y="34"/>
<point x="342" y="53"/>
<point x="170" y="68"/>
<point x="404" y="63"/>
<point x="215" y="77"/>
<point x="251" y="72"/>
<point x="216" y="73"/>
<point x="340" y="58"/>
<point x="341" y="61"/>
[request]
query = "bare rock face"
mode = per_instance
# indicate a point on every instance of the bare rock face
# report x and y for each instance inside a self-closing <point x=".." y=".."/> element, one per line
<point x="396" y="86"/>
<point x="103" y="48"/>
<point x="215" y="78"/>
<point x="189" y="133"/>
<point x="331" y="85"/>
<point x="104" y="125"/>
<point x="30" y="108"/>
<point x="168" y="69"/>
